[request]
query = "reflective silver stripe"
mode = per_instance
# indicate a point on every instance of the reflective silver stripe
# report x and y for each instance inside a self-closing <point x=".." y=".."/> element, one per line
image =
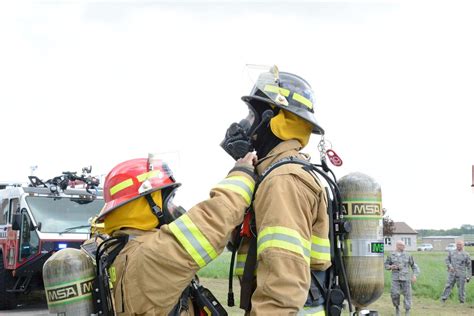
<point x="283" y="237"/>
<point x="238" y="183"/>
<point x="239" y="268"/>
<point x="320" y="252"/>
<point x="240" y="265"/>
<point x="316" y="311"/>
<point x="241" y="259"/>
<point x="319" y="248"/>
<point x="194" y="242"/>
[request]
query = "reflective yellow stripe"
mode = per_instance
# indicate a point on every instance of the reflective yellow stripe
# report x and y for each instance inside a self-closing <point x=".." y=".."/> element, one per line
<point x="284" y="238"/>
<point x="320" y="256"/>
<point x="240" y="265"/>
<point x="250" y="184"/>
<point x="236" y="189"/>
<point x="240" y="185"/>
<point x="312" y="311"/>
<point x="275" y="89"/>
<point x="149" y="175"/>
<point x="324" y="242"/>
<point x="301" y="99"/>
<point x="193" y="241"/>
<point x="242" y="257"/>
<point x="112" y="274"/>
<point x="320" y="248"/>
<point x="122" y="185"/>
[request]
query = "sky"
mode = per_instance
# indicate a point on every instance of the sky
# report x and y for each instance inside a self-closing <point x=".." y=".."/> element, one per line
<point x="100" y="82"/>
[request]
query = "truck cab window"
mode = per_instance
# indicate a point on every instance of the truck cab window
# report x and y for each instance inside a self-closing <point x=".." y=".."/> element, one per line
<point x="29" y="241"/>
<point x="14" y="206"/>
<point x="4" y="211"/>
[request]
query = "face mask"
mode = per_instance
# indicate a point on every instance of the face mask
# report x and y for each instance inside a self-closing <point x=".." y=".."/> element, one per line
<point x="169" y="207"/>
<point x="238" y="138"/>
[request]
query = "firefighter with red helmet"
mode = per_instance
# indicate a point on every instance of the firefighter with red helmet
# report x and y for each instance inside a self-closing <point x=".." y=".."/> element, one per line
<point x="166" y="246"/>
<point x="288" y="222"/>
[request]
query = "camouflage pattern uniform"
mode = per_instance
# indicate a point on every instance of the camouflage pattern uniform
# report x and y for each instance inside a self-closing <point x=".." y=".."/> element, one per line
<point x="401" y="277"/>
<point x="458" y="263"/>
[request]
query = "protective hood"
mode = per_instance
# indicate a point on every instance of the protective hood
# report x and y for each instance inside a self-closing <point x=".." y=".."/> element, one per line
<point x="135" y="214"/>
<point x="287" y="125"/>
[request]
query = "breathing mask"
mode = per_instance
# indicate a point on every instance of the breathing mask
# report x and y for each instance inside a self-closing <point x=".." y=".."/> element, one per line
<point x="238" y="138"/>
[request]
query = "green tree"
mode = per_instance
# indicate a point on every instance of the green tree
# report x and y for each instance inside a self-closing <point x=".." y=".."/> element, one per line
<point x="388" y="224"/>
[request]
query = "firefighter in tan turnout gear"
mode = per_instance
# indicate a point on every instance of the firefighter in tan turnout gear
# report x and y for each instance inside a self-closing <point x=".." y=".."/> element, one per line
<point x="287" y="228"/>
<point x="154" y="269"/>
<point x="400" y="263"/>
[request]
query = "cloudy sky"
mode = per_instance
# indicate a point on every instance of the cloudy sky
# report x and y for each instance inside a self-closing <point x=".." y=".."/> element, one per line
<point x="99" y="82"/>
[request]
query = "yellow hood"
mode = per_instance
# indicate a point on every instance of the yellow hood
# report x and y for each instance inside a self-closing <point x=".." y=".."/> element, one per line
<point x="135" y="214"/>
<point x="287" y="125"/>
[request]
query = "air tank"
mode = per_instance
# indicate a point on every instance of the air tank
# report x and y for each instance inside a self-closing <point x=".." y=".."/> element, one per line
<point x="364" y="246"/>
<point x="67" y="277"/>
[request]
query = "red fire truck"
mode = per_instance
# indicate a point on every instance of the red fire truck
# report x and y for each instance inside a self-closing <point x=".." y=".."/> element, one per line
<point x="38" y="219"/>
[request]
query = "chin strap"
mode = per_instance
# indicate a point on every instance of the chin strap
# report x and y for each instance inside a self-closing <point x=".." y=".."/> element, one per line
<point x="156" y="210"/>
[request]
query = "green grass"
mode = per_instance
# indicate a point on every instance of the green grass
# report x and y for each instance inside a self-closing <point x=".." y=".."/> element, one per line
<point x="430" y="283"/>
<point x="217" y="269"/>
<point x="420" y="306"/>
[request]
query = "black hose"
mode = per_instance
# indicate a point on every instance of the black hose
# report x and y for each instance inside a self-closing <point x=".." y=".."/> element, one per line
<point x="236" y="246"/>
<point x="346" y="285"/>
<point x="230" y="294"/>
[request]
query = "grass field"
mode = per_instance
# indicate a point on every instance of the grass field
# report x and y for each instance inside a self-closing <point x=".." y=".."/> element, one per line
<point x="426" y="290"/>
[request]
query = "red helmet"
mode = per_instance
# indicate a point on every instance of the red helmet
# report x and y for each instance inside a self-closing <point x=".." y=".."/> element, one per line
<point x="134" y="178"/>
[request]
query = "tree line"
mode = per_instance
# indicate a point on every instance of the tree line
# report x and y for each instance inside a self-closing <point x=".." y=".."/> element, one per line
<point x="464" y="229"/>
<point x="389" y="226"/>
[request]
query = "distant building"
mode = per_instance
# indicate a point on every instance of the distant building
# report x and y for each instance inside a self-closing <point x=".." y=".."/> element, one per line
<point x="402" y="232"/>
<point x="440" y="242"/>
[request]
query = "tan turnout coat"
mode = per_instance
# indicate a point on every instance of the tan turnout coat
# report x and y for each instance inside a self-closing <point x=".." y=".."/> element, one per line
<point x="155" y="266"/>
<point x="292" y="226"/>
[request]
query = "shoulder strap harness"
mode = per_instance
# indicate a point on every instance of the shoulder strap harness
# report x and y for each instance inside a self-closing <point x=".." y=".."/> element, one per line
<point x="325" y="286"/>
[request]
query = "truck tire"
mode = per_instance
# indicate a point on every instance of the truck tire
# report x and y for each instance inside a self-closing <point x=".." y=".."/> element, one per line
<point x="7" y="300"/>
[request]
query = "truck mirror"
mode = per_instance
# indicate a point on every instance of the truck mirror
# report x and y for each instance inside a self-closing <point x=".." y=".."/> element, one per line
<point x="16" y="221"/>
<point x="37" y="226"/>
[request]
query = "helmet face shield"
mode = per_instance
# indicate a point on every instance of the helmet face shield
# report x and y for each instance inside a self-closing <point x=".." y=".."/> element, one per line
<point x="170" y="206"/>
<point x="250" y="122"/>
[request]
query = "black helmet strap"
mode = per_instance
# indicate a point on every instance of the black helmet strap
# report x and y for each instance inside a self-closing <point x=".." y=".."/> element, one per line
<point x="266" y="117"/>
<point x="156" y="210"/>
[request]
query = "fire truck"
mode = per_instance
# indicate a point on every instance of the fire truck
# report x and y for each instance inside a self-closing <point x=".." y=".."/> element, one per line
<point x="38" y="219"/>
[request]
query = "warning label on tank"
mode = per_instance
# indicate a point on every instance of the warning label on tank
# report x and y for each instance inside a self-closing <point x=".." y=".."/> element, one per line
<point x="70" y="292"/>
<point x="362" y="208"/>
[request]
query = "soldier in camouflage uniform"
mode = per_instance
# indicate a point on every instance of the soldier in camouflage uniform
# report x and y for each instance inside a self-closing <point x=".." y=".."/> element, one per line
<point x="400" y="263"/>
<point x="459" y="270"/>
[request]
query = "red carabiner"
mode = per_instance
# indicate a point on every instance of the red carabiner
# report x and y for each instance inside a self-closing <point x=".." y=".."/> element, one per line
<point x="334" y="158"/>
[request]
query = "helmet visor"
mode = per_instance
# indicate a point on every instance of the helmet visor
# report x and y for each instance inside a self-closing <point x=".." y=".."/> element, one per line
<point x="172" y="207"/>
<point x="249" y="122"/>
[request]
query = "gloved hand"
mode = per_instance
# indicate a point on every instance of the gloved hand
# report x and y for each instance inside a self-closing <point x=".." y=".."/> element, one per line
<point x="246" y="164"/>
<point x="249" y="159"/>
